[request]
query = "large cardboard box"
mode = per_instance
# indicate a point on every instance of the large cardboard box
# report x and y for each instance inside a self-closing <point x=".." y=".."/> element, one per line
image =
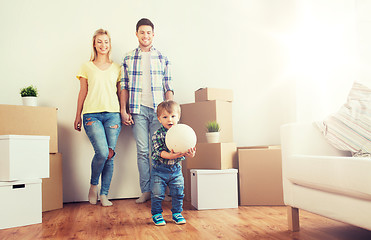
<point x="260" y="174"/>
<point x="52" y="187"/>
<point x="196" y="115"/>
<point x="26" y="120"/>
<point x="20" y="203"/>
<point x="23" y="157"/>
<point x="214" y="189"/>
<point x="207" y="94"/>
<point x="209" y="156"/>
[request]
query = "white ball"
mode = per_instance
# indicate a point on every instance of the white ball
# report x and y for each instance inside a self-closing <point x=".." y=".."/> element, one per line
<point x="180" y="138"/>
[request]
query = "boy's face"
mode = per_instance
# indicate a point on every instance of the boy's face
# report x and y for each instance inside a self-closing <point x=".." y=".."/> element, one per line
<point x="168" y="119"/>
<point x="145" y="36"/>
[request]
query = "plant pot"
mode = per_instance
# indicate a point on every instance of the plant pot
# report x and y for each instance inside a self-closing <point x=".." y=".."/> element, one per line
<point x="29" y="101"/>
<point x="212" y="137"/>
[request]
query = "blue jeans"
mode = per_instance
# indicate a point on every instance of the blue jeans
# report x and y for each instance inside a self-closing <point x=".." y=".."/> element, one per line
<point x="163" y="175"/>
<point x="145" y="124"/>
<point x="103" y="130"/>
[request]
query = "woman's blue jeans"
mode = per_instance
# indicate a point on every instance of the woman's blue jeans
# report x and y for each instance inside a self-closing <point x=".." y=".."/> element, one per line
<point x="163" y="175"/>
<point x="145" y="125"/>
<point x="103" y="130"/>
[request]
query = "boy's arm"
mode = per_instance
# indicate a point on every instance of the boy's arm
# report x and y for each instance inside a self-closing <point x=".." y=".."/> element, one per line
<point x="158" y="145"/>
<point x="171" y="155"/>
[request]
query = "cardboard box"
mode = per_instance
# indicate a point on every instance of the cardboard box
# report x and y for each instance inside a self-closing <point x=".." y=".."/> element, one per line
<point x="260" y="174"/>
<point x="25" y="120"/>
<point x="52" y="187"/>
<point x="196" y="115"/>
<point x="20" y="203"/>
<point x="214" y="189"/>
<point x="214" y="156"/>
<point x="209" y="156"/>
<point x="24" y="157"/>
<point x="207" y="94"/>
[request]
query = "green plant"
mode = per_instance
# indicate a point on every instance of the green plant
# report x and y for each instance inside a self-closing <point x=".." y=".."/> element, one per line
<point x="212" y="126"/>
<point x="29" y="91"/>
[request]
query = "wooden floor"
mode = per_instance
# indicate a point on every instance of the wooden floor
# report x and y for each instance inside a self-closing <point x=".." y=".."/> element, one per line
<point x="128" y="220"/>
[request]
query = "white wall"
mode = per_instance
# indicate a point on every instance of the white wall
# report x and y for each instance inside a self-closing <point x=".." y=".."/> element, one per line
<point x="255" y="47"/>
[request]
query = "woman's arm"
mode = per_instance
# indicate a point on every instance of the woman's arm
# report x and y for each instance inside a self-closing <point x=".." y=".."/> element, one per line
<point x="126" y="117"/>
<point x="80" y="102"/>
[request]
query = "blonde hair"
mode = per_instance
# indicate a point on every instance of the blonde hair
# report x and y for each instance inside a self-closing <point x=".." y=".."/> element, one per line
<point x="94" y="50"/>
<point x="168" y="105"/>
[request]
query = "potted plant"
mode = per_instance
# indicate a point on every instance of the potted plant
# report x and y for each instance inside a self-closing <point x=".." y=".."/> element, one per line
<point x="29" y="95"/>
<point x="213" y="132"/>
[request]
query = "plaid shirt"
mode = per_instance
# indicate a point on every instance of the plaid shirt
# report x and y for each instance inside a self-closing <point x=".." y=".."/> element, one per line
<point x="131" y="77"/>
<point x="159" y="145"/>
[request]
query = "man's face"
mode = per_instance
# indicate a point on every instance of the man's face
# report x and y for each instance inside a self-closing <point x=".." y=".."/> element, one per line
<point x="145" y="36"/>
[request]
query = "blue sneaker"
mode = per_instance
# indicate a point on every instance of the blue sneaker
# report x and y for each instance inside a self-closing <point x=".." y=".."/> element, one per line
<point x="178" y="218"/>
<point x="158" y="220"/>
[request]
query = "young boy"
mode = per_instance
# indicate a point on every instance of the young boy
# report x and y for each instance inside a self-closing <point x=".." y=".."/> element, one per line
<point x="166" y="168"/>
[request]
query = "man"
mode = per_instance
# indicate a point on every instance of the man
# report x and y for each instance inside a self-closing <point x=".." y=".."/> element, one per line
<point x="145" y="82"/>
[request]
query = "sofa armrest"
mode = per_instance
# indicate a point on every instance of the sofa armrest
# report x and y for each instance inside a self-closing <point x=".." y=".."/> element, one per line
<point x="306" y="139"/>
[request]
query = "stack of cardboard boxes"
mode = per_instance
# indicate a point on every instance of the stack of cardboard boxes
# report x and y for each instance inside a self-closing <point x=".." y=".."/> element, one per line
<point x="32" y="123"/>
<point x="211" y="104"/>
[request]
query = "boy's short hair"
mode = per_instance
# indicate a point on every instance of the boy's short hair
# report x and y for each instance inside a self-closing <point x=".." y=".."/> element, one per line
<point x="145" y="21"/>
<point x="168" y="106"/>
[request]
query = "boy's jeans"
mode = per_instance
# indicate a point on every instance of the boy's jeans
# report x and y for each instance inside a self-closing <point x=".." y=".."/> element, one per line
<point x="145" y="125"/>
<point x="103" y="130"/>
<point x="163" y="175"/>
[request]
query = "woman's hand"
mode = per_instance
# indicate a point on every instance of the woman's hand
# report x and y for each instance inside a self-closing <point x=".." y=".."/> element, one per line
<point x="77" y="124"/>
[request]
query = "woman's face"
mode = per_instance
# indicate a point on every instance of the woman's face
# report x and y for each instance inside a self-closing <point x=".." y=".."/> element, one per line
<point x="102" y="44"/>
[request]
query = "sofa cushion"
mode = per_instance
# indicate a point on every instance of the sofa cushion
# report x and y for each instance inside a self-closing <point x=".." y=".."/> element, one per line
<point x="349" y="129"/>
<point x="342" y="175"/>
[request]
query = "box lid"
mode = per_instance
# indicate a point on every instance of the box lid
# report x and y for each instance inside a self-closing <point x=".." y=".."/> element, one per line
<point x="213" y="171"/>
<point x="19" y="182"/>
<point x="260" y="147"/>
<point x="29" y="137"/>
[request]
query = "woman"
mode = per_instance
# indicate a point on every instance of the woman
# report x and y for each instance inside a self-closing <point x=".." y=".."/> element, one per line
<point x="98" y="102"/>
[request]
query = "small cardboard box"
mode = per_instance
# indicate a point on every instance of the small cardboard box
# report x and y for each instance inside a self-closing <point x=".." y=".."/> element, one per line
<point x="260" y="174"/>
<point x="26" y="120"/>
<point x="214" y="189"/>
<point x="196" y="115"/>
<point x="209" y="156"/>
<point x="24" y="157"/>
<point x="52" y="187"/>
<point x="207" y="94"/>
<point x="20" y="203"/>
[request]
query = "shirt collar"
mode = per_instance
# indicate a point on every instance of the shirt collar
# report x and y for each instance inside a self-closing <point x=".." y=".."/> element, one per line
<point x="164" y="129"/>
<point x="151" y="49"/>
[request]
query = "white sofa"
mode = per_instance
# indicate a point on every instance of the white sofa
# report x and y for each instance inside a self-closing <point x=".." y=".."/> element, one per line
<point x="323" y="180"/>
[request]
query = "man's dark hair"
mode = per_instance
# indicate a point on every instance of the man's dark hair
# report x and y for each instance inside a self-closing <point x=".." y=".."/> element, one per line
<point x="145" y="21"/>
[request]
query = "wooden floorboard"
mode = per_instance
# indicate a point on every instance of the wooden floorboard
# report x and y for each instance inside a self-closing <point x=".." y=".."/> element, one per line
<point x="128" y="220"/>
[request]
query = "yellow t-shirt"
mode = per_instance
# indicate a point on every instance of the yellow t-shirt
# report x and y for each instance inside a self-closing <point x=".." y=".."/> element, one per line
<point x="102" y="88"/>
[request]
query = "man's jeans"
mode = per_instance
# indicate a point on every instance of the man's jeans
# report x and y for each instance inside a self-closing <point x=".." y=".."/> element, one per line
<point x="103" y="130"/>
<point x="145" y="124"/>
<point x="163" y="175"/>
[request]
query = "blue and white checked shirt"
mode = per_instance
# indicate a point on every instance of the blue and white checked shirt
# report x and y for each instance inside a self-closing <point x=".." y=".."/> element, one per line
<point x="131" y="77"/>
